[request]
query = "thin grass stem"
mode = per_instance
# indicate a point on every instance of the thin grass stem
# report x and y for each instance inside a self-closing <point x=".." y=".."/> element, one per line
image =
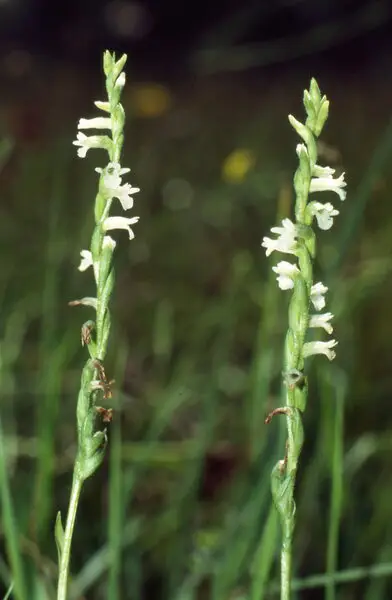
<point x="11" y="529"/>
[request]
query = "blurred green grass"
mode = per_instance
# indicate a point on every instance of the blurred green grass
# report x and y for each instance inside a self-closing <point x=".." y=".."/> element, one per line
<point x="181" y="508"/>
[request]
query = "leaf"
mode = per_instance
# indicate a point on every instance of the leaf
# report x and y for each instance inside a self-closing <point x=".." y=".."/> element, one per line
<point x="59" y="535"/>
<point x="9" y="592"/>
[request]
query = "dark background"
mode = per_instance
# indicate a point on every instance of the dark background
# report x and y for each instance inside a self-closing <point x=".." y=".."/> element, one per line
<point x="198" y="324"/>
<point x="173" y="39"/>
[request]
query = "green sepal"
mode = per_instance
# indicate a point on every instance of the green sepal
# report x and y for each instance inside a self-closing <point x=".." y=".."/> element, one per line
<point x="118" y="120"/>
<point x="87" y="376"/>
<point x="91" y="445"/>
<point x="91" y="455"/>
<point x="103" y="315"/>
<point x="306" y="134"/>
<point x="306" y="267"/>
<point x="304" y="232"/>
<point x="112" y="71"/>
<point x="310" y="244"/>
<point x="118" y="66"/>
<point x="107" y="288"/>
<point x="100" y="202"/>
<point x="301" y="395"/>
<point x="95" y="443"/>
<point x="302" y="178"/>
<point x="118" y="117"/>
<point x="82" y="408"/>
<point x="309" y="107"/>
<point x="312" y="99"/>
<point x="299" y="311"/>
<point x="317" y="107"/>
<point x="84" y="397"/>
<point x="115" y="95"/>
<point x="105" y="333"/>
<point x="59" y="535"/>
<point x="108" y="62"/>
<point x="301" y="129"/>
<point x="295" y="431"/>
<point x="301" y="186"/>
<point x="103" y="105"/>
<point x="96" y="243"/>
<point x="93" y="463"/>
<point x="111" y="67"/>
<point x="282" y="487"/>
<point x="291" y="350"/>
<point x="308" y="237"/>
<point x="105" y="265"/>
<point x="86" y="432"/>
<point x="321" y="117"/>
<point x="315" y="94"/>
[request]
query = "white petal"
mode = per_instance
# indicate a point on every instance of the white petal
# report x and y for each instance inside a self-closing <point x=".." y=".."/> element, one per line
<point x="123" y="193"/>
<point x="108" y="242"/>
<point x="105" y="106"/>
<point x="324" y="214"/>
<point x="300" y="149"/>
<point x="278" y="244"/>
<point x="86" y="260"/>
<point x="325" y="348"/>
<point x="286" y="240"/>
<point x="317" y="295"/>
<point x="81" y="141"/>
<point x="120" y="81"/>
<point x="120" y="223"/>
<point x="92" y="141"/>
<point x="97" y="123"/>
<point x="319" y="171"/>
<point x="87" y="301"/>
<point x="288" y="228"/>
<point x="321" y="184"/>
<point x="112" y="183"/>
<point x="113" y="168"/>
<point x="286" y="274"/>
<point x="323" y="321"/>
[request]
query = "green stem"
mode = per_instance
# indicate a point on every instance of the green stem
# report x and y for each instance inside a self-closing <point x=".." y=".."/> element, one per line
<point x="62" y="588"/>
<point x="285" y="580"/>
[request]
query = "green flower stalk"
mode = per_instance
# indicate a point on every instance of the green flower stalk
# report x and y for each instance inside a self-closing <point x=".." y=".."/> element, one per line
<point x="299" y="239"/>
<point x="95" y="334"/>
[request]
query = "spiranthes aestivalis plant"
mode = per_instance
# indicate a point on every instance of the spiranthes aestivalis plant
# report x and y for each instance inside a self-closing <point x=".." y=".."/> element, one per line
<point x="298" y="239"/>
<point x="108" y="135"/>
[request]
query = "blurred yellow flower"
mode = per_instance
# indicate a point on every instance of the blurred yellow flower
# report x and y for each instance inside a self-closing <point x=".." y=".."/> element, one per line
<point x="150" y="100"/>
<point x="237" y="165"/>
